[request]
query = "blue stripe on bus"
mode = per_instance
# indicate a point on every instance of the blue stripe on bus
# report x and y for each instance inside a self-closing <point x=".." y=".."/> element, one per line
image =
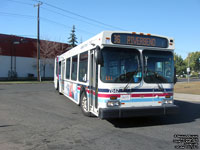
<point x="101" y="100"/>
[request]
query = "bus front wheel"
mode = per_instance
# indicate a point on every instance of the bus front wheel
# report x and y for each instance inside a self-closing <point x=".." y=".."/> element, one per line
<point x="84" y="105"/>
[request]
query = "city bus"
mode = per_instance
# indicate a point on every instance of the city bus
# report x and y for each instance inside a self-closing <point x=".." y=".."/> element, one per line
<point x="119" y="75"/>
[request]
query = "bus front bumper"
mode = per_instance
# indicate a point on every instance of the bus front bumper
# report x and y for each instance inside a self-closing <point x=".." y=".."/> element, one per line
<point x="108" y="113"/>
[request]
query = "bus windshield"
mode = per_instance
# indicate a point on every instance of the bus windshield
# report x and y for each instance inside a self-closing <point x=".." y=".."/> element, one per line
<point x="121" y="66"/>
<point x="158" y="66"/>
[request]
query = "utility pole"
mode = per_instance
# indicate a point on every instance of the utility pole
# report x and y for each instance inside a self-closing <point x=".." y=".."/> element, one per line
<point x="38" y="40"/>
<point x="188" y="69"/>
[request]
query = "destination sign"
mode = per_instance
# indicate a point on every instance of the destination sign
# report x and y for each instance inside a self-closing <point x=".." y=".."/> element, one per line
<point x="139" y="40"/>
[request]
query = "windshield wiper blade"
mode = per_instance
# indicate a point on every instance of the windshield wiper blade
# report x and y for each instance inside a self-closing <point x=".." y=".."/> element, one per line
<point x="128" y="83"/>
<point x="155" y="75"/>
<point x="131" y="78"/>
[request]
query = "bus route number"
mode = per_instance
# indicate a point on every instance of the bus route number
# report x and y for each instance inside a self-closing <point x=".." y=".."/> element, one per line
<point x="117" y="39"/>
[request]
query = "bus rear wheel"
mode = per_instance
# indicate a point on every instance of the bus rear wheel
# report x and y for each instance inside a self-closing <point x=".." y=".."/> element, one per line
<point x="84" y="105"/>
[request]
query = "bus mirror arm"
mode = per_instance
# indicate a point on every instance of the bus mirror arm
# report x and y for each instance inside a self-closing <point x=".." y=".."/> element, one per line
<point x="99" y="56"/>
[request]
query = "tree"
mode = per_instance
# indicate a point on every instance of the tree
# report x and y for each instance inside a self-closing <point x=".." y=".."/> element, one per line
<point x="194" y="61"/>
<point x="179" y="64"/>
<point x="48" y="51"/>
<point x="73" y="39"/>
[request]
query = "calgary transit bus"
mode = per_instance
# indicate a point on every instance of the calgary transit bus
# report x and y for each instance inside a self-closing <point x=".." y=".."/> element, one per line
<point x="119" y="74"/>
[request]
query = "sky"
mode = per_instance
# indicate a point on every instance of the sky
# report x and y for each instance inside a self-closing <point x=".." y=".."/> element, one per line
<point x="179" y="19"/>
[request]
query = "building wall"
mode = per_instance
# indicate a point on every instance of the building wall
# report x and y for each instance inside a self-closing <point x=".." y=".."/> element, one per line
<point x="25" y="66"/>
<point x="25" y="52"/>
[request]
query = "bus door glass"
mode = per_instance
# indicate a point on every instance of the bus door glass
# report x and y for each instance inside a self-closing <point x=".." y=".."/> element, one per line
<point x="62" y="75"/>
<point x="56" y="72"/>
<point x="93" y="82"/>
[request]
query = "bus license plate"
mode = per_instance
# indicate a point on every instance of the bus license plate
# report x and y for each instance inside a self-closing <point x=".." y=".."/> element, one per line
<point x="125" y="97"/>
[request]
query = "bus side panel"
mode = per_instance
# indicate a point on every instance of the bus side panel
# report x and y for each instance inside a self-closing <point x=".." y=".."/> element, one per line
<point x="71" y="90"/>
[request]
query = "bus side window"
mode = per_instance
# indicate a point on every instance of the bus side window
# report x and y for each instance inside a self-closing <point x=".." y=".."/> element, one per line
<point x="74" y="68"/>
<point x="67" y="68"/>
<point x="83" y="67"/>
<point x="59" y="71"/>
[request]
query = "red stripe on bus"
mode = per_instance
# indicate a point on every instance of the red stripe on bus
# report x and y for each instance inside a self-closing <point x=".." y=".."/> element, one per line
<point x="135" y="95"/>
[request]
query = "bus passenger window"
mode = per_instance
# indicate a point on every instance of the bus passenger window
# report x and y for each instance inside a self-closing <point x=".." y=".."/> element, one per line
<point x="74" y="68"/>
<point x="67" y="68"/>
<point x="83" y="65"/>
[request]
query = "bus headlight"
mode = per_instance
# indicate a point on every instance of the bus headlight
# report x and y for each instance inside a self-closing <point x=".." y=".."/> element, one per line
<point x="168" y="101"/>
<point x="113" y="103"/>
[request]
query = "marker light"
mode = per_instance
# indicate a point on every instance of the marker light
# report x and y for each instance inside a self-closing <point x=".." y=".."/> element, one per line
<point x="171" y="42"/>
<point x="141" y="33"/>
<point x="133" y="32"/>
<point x="113" y="97"/>
<point x="167" y="96"/>
<point x="148" y="34"/>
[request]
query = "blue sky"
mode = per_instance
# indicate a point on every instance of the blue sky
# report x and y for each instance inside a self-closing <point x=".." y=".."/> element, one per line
<point x="179" y="19"/>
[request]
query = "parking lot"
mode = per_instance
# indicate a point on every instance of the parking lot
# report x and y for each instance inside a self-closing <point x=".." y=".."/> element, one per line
<point x="36" y="117"/>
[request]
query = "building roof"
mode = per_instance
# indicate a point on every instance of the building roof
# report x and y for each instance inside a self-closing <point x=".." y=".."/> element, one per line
<point x="11" y="45"/>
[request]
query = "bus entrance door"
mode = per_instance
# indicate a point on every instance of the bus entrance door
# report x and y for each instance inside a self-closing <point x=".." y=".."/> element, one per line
<point x="62" y="75"/>
<point x="93" y="83"/>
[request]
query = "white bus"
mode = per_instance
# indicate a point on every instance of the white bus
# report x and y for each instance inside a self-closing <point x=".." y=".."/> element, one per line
<point x="119" y="74"/>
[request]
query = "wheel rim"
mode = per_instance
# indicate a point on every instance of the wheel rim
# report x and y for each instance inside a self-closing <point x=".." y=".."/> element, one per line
<point x="84" y="104"/>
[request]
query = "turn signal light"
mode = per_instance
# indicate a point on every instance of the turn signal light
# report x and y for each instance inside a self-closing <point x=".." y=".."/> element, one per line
<point x="167" y="96"/>
<point x="113" y="97"/>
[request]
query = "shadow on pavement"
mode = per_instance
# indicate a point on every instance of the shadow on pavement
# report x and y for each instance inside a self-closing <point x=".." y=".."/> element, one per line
<point x="189" y="112"/>
<point x="4" y="126"/>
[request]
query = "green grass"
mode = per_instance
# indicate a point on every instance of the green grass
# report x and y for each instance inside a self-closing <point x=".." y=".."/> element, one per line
<point x="187" y="88"/>
<point x="24" y="82"/>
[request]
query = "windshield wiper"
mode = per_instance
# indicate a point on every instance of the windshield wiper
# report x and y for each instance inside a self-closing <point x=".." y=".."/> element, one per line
<point x="128" y="83"/>
<point x="155" y="77"/>
<point x="131" y="78"/>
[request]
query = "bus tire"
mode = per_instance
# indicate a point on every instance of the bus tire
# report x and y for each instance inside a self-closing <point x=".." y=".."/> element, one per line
<point x="84" y="105"/>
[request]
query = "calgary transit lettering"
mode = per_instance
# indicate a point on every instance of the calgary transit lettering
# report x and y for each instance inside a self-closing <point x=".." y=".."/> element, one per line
<point x="142" y="41"/>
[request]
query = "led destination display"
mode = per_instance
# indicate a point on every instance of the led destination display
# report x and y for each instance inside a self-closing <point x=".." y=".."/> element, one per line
<point x="139" y="40"/>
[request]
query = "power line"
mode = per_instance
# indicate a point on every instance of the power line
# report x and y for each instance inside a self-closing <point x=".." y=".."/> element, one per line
<point x="21" y="2"/>
<point x="44" y="19"/>
<point x="81" y="16"/>
<point x="71" y="17"/>
<point x="70" y="12"/>
<point x="75" y="14"/>
<point x="48" y="20"/>
<point x="19" y="15"/>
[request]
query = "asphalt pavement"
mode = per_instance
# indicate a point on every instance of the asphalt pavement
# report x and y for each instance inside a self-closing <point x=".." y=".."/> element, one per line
<point x="36" y="117"/>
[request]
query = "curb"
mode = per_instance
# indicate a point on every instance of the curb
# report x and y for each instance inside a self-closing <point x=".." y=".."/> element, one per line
<point x="182" y="99"/>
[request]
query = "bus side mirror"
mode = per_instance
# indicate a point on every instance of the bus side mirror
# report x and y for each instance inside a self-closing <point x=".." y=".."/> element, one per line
<point x="99" y="56"/>
<point x="175" y="78"/>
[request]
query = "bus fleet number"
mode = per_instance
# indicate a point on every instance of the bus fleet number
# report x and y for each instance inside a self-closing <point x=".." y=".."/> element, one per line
<point x="113" y="90"/>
